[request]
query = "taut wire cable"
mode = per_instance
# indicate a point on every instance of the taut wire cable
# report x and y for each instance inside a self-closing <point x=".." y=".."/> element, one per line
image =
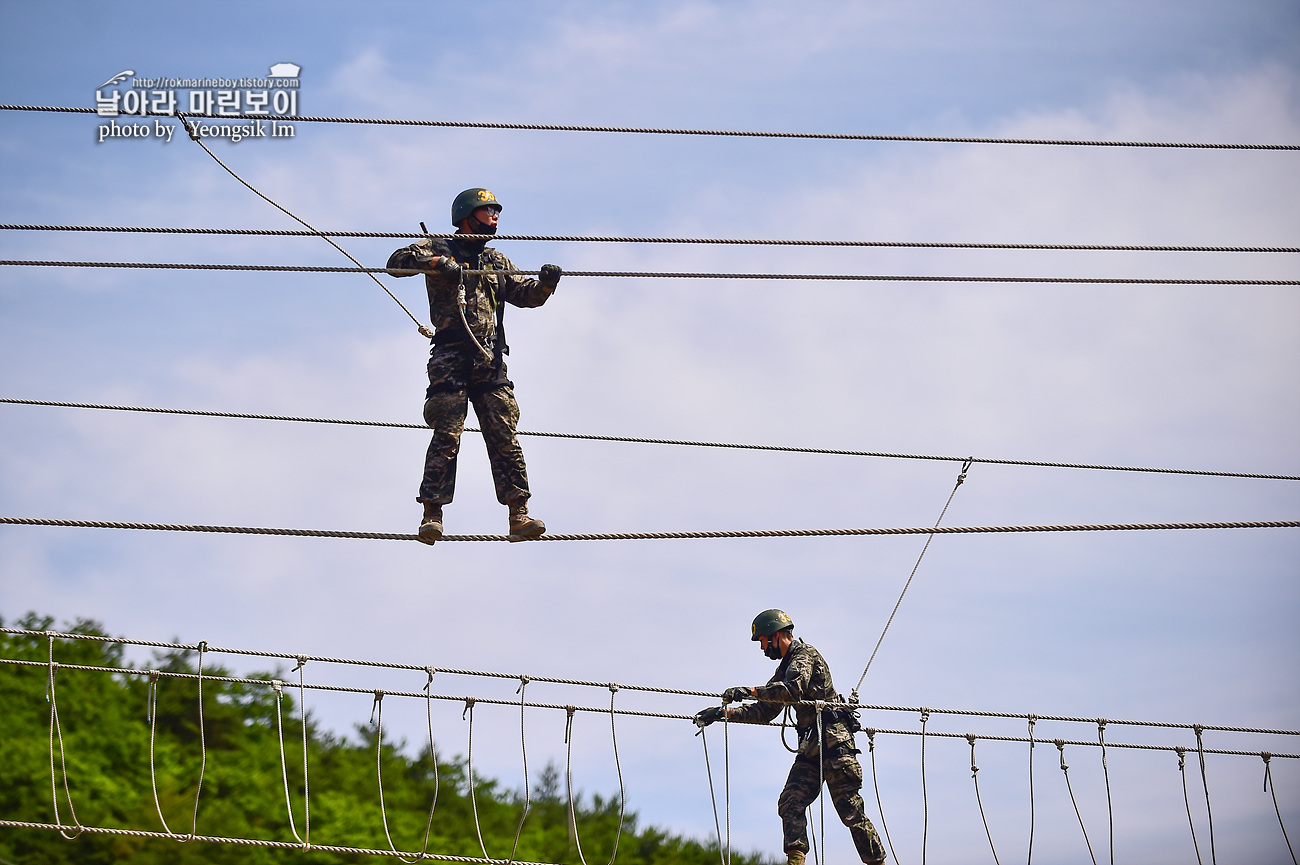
<point x="728" y="133"/>
<point x="657" y="441"/>
<point x="651" y="274"/>
<point x="1065" y="770"/>
<point x="961" y="478"/>
<point x="1270" y="787"/>
<point x="721" y="241"/>
<point x="974" y="774"/>
<point x="654" y="536"/>
<point x="56" y="727"/>
<point x="197" y="139"/>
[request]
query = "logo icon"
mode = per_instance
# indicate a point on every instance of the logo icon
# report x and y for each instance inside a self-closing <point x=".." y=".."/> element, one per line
<point x="118" y="78"/>
<point x="285" y="70"/>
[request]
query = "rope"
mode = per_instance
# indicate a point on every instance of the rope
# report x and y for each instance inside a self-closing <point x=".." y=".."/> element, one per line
<point x="628" y="274"/>
<point x="568" y="775"/>
<point x="1065" y="770"/>
<point x="722" y="241"/>
<point x="1270" y="787"/>
<point x="974" y="774"/>
<point x="1029" y="857"/>
<point x="821" y="780"/>
<point x="713" y="798"/>
<point x="961" y="478"/>
<point x="523" y="745"/>
<point x="194" y="136"/>
<point x="871" y="748"/>
<point x="303" y="659"/>
<point x="469" y="763"/>
<point x="1182" y="770"/>
<point x="729" y="133"/>
<point x="203" y="744"/>
<point x="654" y="441"/>
<point x="57" y="728"/>
<point x="925" y="799"/>
<point x="257" y="842"/>
<point x="653" y="536"/>
<point x="278" y="687"/>
<point x="1200" y="753"/>
<point x="1105" y="771"/>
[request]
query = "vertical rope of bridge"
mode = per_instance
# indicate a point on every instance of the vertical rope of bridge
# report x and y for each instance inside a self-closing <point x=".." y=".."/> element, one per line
<point x="56" y="726"/>
<point x="974" y="774"/>
<point x="821" y="776"/>
<point x="726" y="778"/>
<point x="1182" y="770"/>
<point x="1029" y="858"/>
<point x="618" y="767"/>
<point x="568" y="779"/>
<point x="203" y="746"/>
<point x="1110" y="812"/>
<point x="433" y="756"/>
<point x="1065" y="770"/>
<point x="469" y="762"/>
<point x="925" y="799"/>
<point x="377" y="718"/>
<point x="713" y="797"/>
<point x="1200" y="753"/>
<point x="306" y="789"/>
<point x="875" y="783"/>
<point x="961" y="478"/>
<point x="1270" y="787"/>
<point x="278" y="687"/>
<point x="194" y="136"/>
<point x="523" y="746"/>
<point x="151" y="713"/>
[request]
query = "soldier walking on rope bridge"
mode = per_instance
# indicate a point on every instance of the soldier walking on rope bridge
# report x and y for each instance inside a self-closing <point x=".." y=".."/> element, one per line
<point x="467" y="358"/>
<point x="803" y="675"/>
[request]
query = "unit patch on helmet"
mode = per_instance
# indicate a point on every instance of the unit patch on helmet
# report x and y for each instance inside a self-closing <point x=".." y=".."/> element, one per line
<point x="484" y="195"/>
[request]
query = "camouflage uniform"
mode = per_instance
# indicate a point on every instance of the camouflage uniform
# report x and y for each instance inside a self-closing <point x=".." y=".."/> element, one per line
<point x="804" y="675"/>
<point x="460" y="374"/>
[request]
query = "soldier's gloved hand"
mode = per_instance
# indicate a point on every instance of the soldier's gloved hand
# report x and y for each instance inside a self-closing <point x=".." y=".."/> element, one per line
<point x="448" y="267"/>
<point x="705" y="717"/>
<point x="549" y="276"/>
<point x="735" y="695"/>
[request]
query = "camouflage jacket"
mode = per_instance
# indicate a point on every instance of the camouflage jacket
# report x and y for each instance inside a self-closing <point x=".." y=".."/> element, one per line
<point x="802" y="675"/>
<point x="482" y="293"/>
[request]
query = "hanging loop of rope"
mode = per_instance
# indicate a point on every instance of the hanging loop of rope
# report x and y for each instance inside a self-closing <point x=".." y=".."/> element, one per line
<point x="974" y="774"/>
<point x="469" y="769"/>
<point x="56" y="729"/>
<point x="1270" y="787"/>
<point x="1198" y="729"/>
<point x="278" y="687"/>
<point x="1065" y="770"/>
<point x="523" y="747"/>
<point x="1105" y="771"/>
<point x="1029" y="857"/>
<point x="713" y="798"/>
<point x="925" y="799"/>
<point x="190" y="130"/>
<point x="1182" y="771"/>
<point x="875" y="783"/>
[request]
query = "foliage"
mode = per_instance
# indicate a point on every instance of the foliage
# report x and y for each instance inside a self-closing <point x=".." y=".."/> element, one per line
<point x="105" y="741"/>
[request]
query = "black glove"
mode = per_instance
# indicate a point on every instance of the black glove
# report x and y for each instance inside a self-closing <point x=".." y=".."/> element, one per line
<point x="735" y="695"/>
<point x="448" y="267"/>
<point x="705" y="717"/>
<point x="550" y="275"/>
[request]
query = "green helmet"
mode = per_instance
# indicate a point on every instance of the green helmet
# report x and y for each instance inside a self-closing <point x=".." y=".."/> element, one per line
<point x="469" y="201"/>
<point x="769" y="622"/>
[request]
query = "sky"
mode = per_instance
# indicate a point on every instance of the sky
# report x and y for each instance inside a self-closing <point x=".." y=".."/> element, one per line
<point x="1186" y="627"/>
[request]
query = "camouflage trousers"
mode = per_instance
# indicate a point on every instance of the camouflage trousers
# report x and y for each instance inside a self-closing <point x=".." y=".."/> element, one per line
<point x="457" y="379"/>
<point x="843" y="776"/>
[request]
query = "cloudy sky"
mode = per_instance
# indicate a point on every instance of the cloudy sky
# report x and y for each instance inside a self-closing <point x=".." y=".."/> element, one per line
<point x="1190" y="627"/>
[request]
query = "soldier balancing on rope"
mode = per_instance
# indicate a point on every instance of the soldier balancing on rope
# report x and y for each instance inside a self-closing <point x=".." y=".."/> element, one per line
<point x="467" y="358"/>
<point x="803" y="676"/>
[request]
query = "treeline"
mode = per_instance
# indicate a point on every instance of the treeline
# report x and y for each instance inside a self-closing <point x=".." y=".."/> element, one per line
<point x="106" y="733"/>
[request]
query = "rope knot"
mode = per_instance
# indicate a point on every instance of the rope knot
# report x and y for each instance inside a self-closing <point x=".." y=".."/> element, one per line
<point x="613" y="687"/>
<point x="469" y="707"/>
<point x="302" y="662"/>
<point x="378" y="704"/>
<point x="523" y="683"/>
<point x="202" y="646"/>
<point x="430" y="671"/>
<point x="925" y="715"/>
<point x="278" y="687"/>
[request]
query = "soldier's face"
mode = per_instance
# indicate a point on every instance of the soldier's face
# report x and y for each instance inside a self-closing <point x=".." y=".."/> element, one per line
<point x="487" y="215"/>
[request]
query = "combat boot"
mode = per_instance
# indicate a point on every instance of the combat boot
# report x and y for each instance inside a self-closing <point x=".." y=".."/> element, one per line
<point x="431" y="525"/>
<point x="522" y="526"/>
<point x="795" y="857"/>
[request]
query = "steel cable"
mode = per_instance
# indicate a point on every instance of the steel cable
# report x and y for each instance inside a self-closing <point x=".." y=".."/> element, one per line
<point x="1065" y="770"/>
<point x="656" y="441"/>
<point x="654" y="536"/>
<point x="719" y="241"/>
<point x="727" y="133"/>
<point x="961" y="478"/>
<point x="195" y="137"/>
<point x="647" y="274"/>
